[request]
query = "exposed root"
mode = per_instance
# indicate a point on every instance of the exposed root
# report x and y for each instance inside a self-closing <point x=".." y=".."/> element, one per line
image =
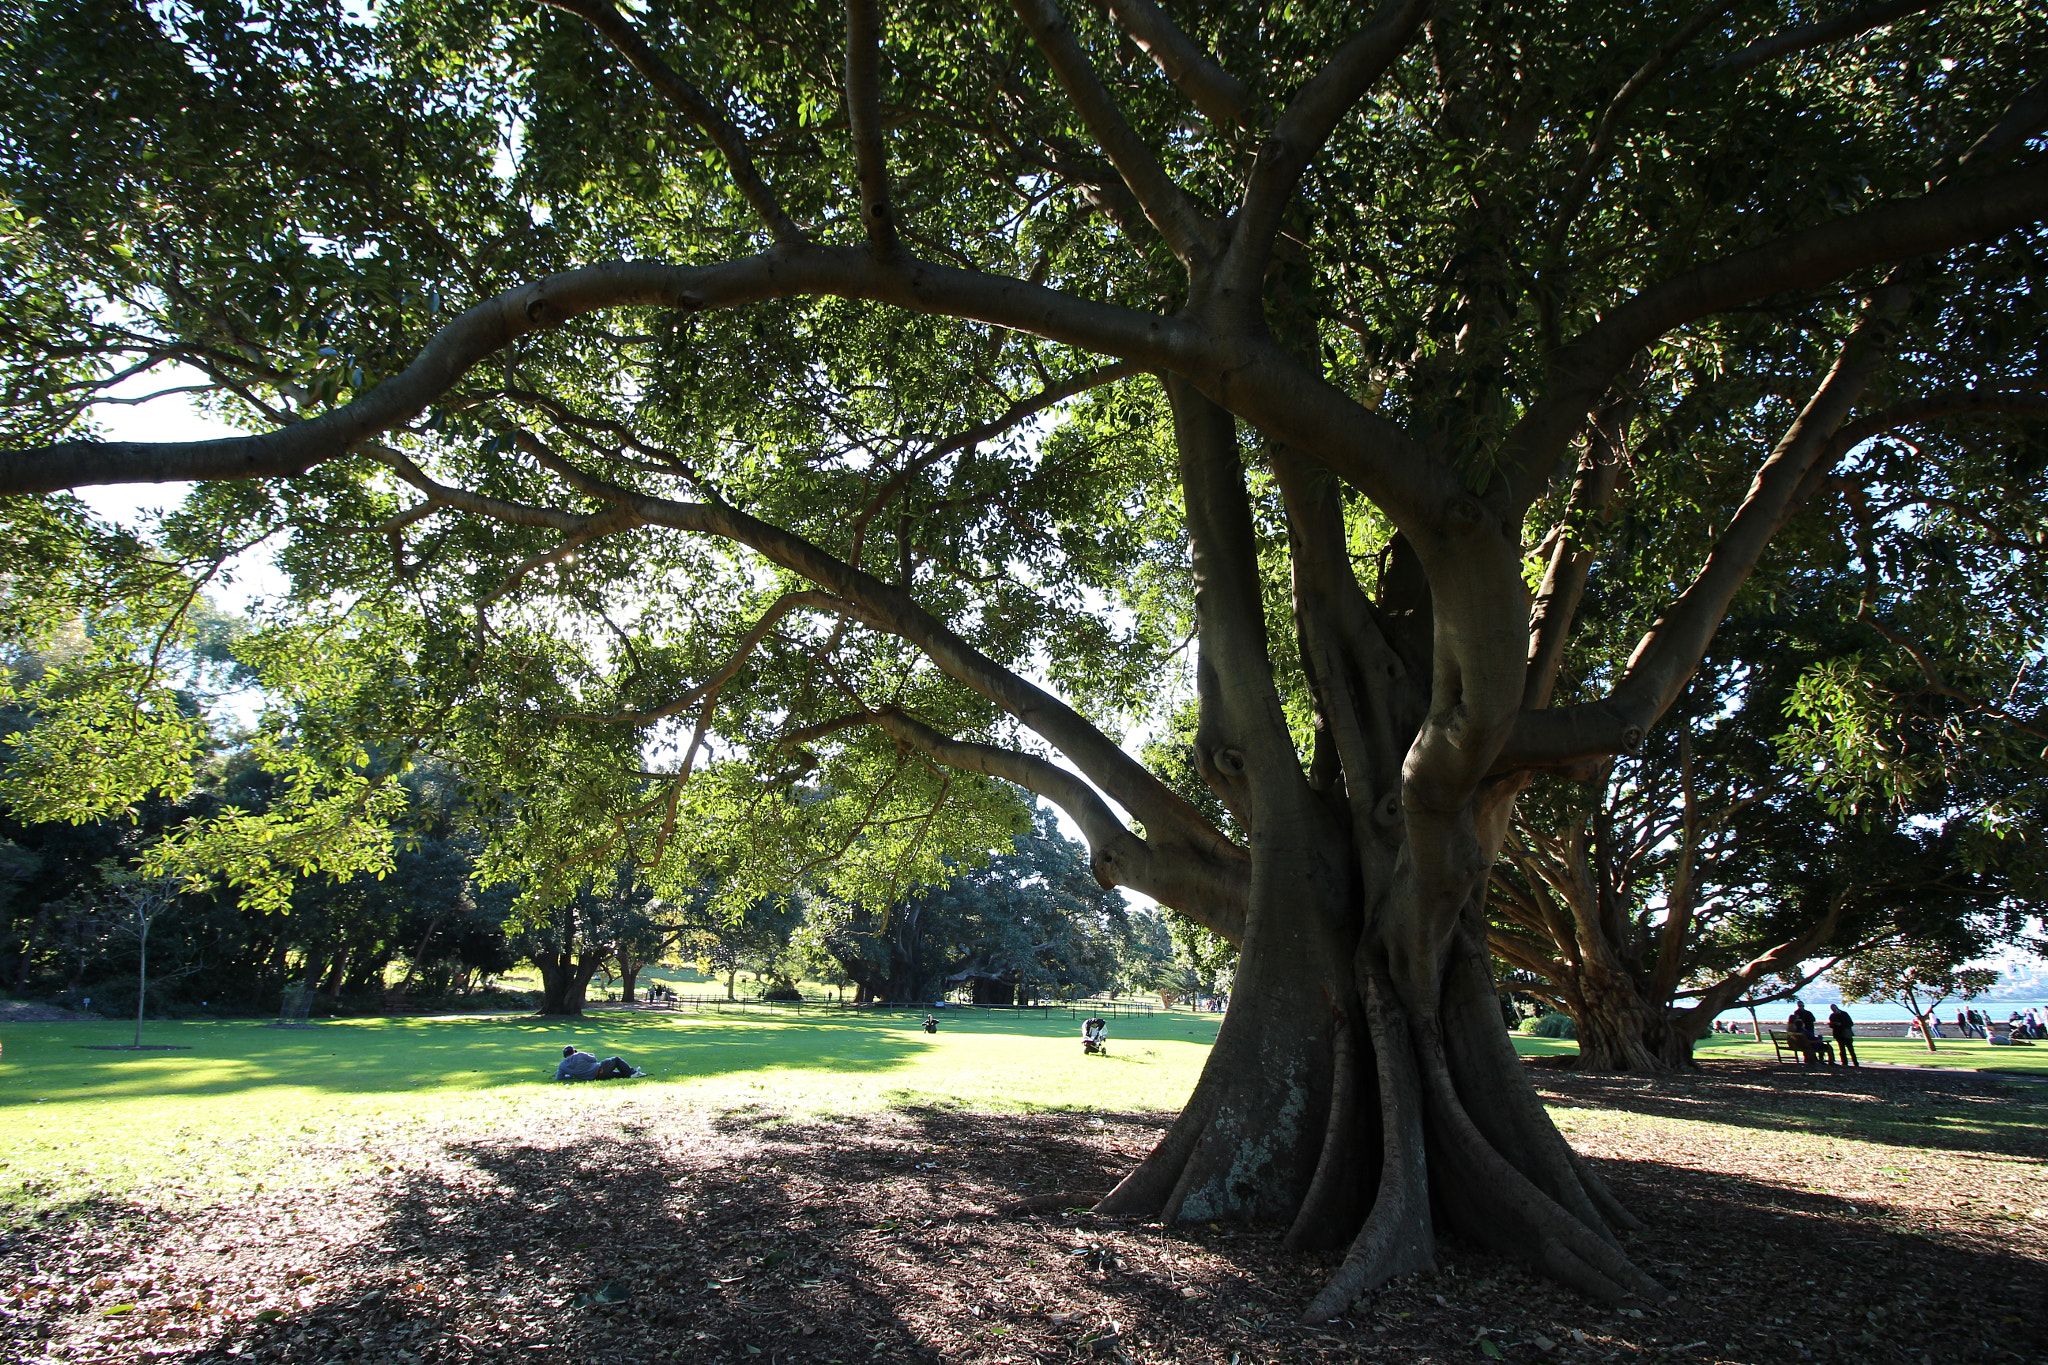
<point x="1144" y="1192"/>
<point x="1333" y="1194"/>
<point x="1398" y="1236"/>
<point x="1615" y="1212"/>
<point x="1519" y="1214"/>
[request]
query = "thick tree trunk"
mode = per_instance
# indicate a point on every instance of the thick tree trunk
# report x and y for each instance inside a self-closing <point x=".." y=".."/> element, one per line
<point x="1363" y="1090"/>
<point x="563" y="982"/>
<point x="629" y="972"/>
<point x="1621" y="1029"/>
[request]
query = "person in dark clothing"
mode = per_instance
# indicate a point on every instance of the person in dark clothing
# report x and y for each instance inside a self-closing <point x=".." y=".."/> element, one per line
<point x="1844" y="1029"/>
<point x="1805" y="1034"/>
<point x="931" y="1024"/>
<point x="581" y="1066"/>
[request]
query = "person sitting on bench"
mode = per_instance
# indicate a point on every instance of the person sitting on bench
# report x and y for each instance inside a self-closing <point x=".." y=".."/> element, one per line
<point x="581" y="1066"/>
<point x="1095" y="1036"/>
<point x="1806" y="1037"/>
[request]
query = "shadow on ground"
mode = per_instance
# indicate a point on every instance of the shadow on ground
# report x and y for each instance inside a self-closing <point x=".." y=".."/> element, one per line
<point x="741" y="1237"/>
<point x="1950" y="1111"/>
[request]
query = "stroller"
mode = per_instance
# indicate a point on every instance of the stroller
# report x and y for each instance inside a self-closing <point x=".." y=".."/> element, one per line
<point x="1094" y="1039"/>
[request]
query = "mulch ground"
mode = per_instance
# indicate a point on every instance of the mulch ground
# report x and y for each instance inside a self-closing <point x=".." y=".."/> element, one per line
<point x="740" y="1238"/>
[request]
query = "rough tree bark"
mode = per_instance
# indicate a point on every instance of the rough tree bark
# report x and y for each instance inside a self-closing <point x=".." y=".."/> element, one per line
<point x="1362" y="1084"/>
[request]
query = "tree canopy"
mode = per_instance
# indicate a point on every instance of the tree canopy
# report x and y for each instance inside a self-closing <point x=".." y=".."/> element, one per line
<point x="666" y="416"/>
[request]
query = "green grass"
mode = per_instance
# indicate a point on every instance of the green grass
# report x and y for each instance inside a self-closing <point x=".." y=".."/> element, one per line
<point x="1957" y="1055"/>
<point x="243" y="1105"/>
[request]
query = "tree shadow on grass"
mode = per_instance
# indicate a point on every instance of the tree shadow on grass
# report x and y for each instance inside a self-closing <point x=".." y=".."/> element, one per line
<point x="1947" y="1111"/>
<point x="751" y="1238"/>
<point x="473" y="1053"/>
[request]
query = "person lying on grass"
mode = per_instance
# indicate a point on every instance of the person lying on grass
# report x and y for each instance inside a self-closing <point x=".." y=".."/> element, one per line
<point x="581" y="1066"/>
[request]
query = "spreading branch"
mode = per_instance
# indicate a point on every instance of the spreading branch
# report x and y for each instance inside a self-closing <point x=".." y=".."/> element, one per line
<point x="1582" y="371"/>
<point x="1668" y="653"/>
<point x="1605" y="129"/>
<point x="1221" y="97"/>
<point x="864" y="119"/>
<point x="1187" y="230"/>
<point x="1297" y="137"/>
<point x="626" y="40"/>
<point x="1819" y="35"/>
<point x="1214" y="895"/>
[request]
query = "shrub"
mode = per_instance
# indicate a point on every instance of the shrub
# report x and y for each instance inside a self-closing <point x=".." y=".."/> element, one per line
<point x="1551" y="1026"/>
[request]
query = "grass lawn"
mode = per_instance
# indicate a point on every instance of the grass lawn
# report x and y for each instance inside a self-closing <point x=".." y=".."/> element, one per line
<point x="240" y="1105"/>
<point x="415" y="1190"/>
<point x="1958" y="1055"/>
<point x="239" y="1101"/>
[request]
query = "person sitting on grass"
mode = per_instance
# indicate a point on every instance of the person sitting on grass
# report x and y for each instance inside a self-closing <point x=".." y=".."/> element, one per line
<point x="581" y="1066"/>
<point x="1095" y="1036"/>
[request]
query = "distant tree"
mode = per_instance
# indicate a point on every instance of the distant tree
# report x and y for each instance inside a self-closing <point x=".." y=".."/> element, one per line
<point x="1916" y="975"/>
<point x="1033" y="919"/>
<point x="1681" y="879"/>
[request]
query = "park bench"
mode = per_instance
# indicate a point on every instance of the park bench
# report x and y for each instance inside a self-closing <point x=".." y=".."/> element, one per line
<point x="1781" y="1042"/>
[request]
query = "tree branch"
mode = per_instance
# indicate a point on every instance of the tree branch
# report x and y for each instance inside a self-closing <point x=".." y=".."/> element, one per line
<point x="769" y="619"/>
<point x="1818" y="35"/>
<point x="864" y="119"/>
<point x="1019" y="411"/>
<point x="1571" y="558"/>
<point x="1221" y="97"/>
<point x="626" y="40"/>
<point x="1212" y="895"/>
<point x="1311" y="116"/>
<point x="1602" y="142"/>
<point x="1187" y="230"/>
<point x="1668" y="653"/>
<point x="1583" y="370"/>
<point x="478" y="332"/>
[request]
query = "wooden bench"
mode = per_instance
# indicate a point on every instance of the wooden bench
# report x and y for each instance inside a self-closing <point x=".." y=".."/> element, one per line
<point x="1781" y="1042"/>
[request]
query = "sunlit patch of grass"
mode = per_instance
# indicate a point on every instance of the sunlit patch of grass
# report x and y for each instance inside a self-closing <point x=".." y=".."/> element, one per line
<point x="241" y="1105"/>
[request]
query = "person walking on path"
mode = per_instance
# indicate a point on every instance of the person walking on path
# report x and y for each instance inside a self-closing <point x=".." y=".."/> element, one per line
<point x="1844" y="1029"/>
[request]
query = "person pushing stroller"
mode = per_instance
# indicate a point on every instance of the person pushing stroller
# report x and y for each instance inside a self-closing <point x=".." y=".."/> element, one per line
<point x="1095" y="1037"/>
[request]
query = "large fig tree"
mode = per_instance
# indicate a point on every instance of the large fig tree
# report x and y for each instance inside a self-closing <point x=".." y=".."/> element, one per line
<point x="867" y="392"/>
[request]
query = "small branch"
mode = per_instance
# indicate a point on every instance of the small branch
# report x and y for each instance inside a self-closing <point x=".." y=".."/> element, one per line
<point x="1187" y="230"/>
<point x="1221" y="97"/>
<point x="1601" y="143"/>
<point x="1819" y="35"/>
<point x="863" y="118"/>
<point x="1118" y="857"/>
<point x="603" y="524"/>
<point x="1019" y="411"/>
<point x="1664" y="659"/>
<point x="1298" y="136"/>
<point x="1583" y="371"/>
<point x="626" y="40"/>
<point x="1571" y="559"/>
<point x="781" y="607"/>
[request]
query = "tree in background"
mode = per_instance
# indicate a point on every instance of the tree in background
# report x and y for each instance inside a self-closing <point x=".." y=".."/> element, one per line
<point x="1705" y="871"/>
<point x="1032" y="920"/>
<point x="1916" y="975"/>
<point x="645" y="396"/>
